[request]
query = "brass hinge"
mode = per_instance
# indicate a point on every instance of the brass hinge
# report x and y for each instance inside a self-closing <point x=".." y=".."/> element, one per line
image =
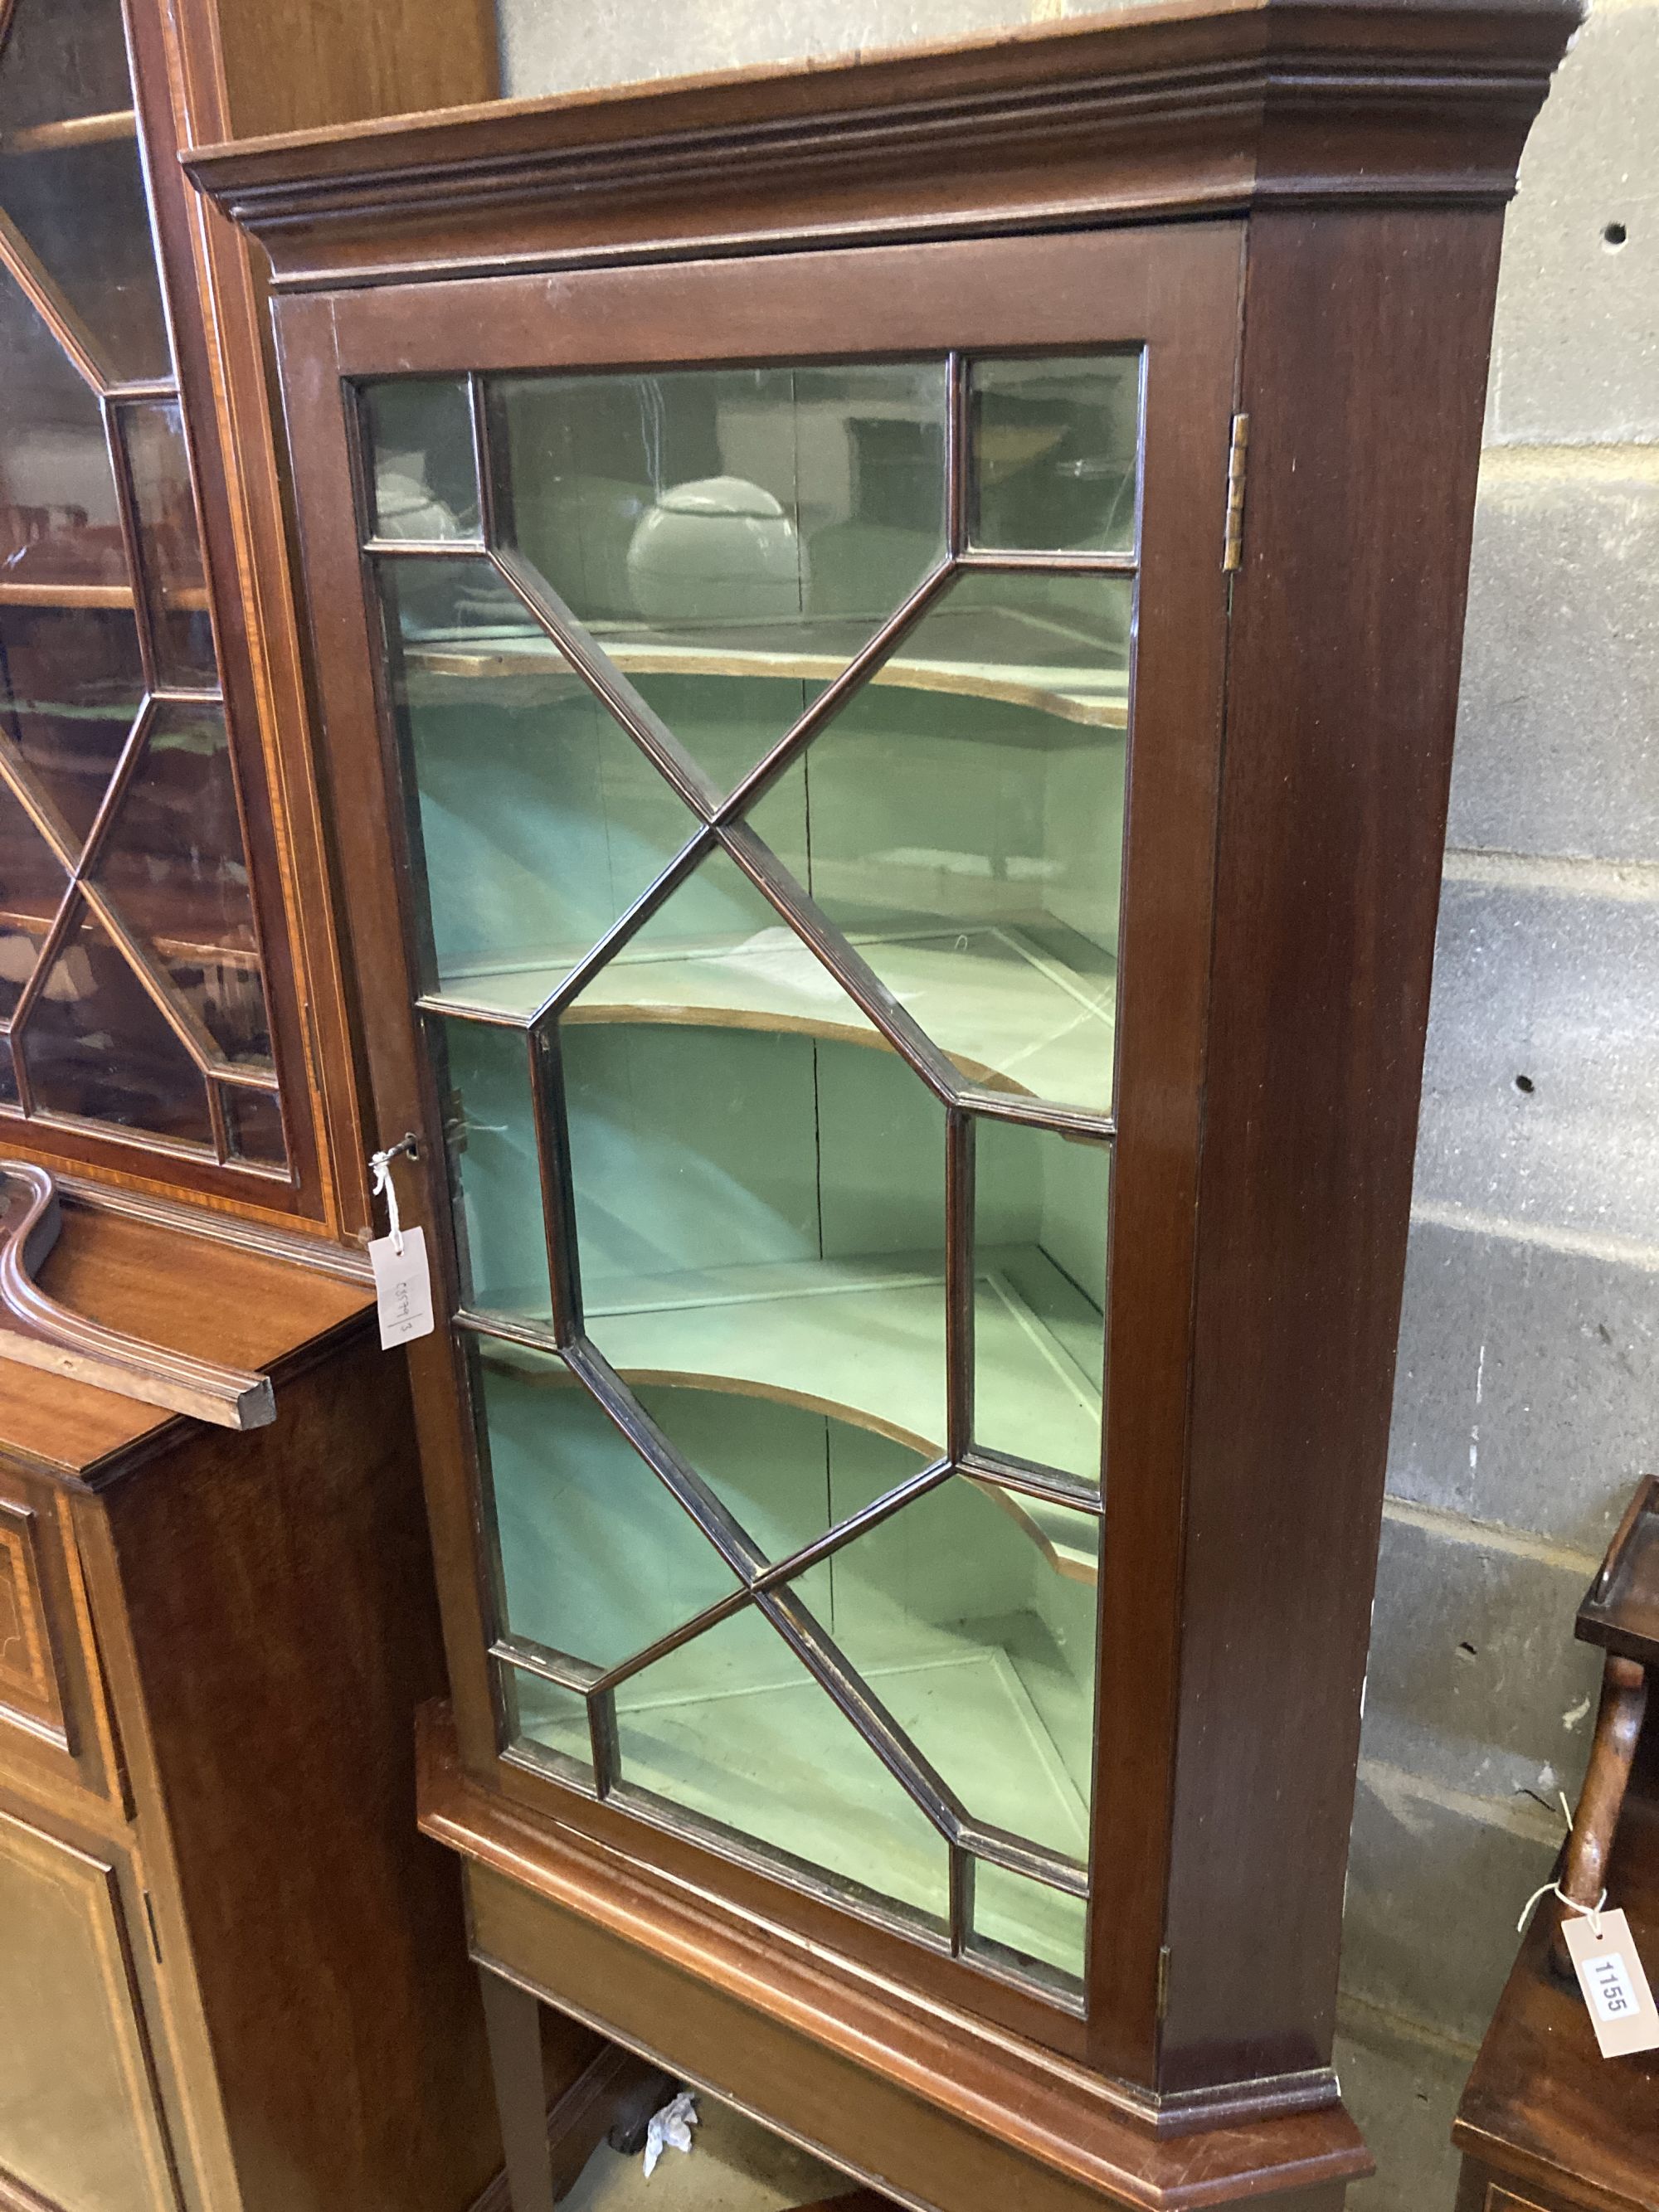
<point x="1162" y="1981"/>
<point x="1232" y="549"/>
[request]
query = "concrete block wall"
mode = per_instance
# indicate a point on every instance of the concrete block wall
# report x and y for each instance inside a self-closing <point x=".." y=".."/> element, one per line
<point x="1527" y="1394"/>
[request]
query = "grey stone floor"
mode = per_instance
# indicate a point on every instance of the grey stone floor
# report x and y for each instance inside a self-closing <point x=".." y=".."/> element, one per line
<point x="734" y="2166"/>
<point x="1400" y="2088"/>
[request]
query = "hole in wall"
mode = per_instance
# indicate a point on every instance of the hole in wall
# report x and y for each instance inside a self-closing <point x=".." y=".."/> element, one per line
<point x="1467" y="1651"/>
<point x="1525" y="1084"/>
<point x="1613" y="236"/>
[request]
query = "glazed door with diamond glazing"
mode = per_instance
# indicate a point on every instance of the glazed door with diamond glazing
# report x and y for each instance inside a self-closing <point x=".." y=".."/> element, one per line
<point x="133" y="992"/>
<point x="763" y="737"/>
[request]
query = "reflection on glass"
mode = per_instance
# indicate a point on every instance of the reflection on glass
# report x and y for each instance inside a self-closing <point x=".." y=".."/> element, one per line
<point x="971" y="1613"/>
<point x="1019" y="1920"/>
<point x="757" y="1179"/>
<point x="8" y="1075"/>
<point x="731" y="1727"/>
<point x="173" y="866"/>
<point x="424" y="482"/>
<point x="97" y="1048"/>
<point x="489" y="1127"/>
<point x="731" y="537"/>
<point x="540" y="820"/>
<point x="1040" y="1203"/>
<point x="550" y="1717"/>
<point x="59" y="520"/>
<point x="596" y="1558"/>
<point x="103" y="267"/>
<point x="965" y="818"/>
<point x="64" y="61"/>
<point x="1053" y="453"/>
<point x="253" y="1126"/>
<point x="70" y="689"/>
<point x="169" y="548"/>
<point x="757" y="1203"/>
<point x="33" y="883"/>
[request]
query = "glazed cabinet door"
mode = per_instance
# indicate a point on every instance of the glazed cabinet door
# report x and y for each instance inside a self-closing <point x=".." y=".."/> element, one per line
<point x="81" y="2119"/>
<point x="767" y="659"/>
<point x="145" y="994"/>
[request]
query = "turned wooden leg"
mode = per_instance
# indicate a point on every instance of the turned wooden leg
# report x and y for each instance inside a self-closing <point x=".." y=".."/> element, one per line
<point x="513" y="2022"/>
<point x="1617" y="1728"/>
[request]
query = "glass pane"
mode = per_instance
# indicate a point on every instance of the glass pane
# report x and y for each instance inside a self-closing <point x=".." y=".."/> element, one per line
<point x="96" y="1047"/>
<point x="731" y="537"/>
<point x="423" y="480"/>
<point x="8" y="1075"/>
<point x="32" y="887"/>
<point x="1027" y="1920"/>
<point x="731" y="1727"/>
<point x="971" y="1613"/>
<point x="759" y="1200"/>
<point x="548" y="1715"/>
<point x="174" y="865"/>
<point x="70" y="689"/>
<point x="1054" y="453"/>
<point x="596" y="1558"/>
<point x="490" y="1128"/>
<point x="82" y="209"/>
<point x="965" y="818"/>
<point x="253" y="1126"/>
<point x="785" y="1471"/>
<point x="59" y="520"/>
<point x="540" y="819"/>
<point x="169" y="549"/>
<point x="63" y="60"/>
<point x="1040" y="1207"/>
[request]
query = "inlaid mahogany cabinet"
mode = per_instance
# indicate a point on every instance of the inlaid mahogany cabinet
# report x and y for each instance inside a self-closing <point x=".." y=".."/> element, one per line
<point x="232" y="1974"/>
<point x="887" y="639"/>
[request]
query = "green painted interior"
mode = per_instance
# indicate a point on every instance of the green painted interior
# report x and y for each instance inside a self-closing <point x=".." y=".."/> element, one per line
<point x="981" y="1651"/>
<point x="758" y="1179"/>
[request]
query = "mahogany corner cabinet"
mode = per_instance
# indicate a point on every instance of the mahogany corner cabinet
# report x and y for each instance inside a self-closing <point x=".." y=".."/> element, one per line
<point x="888" y="638"/>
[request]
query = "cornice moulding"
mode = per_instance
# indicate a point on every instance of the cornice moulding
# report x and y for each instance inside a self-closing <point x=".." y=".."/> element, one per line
<point x="1163" y="109"/>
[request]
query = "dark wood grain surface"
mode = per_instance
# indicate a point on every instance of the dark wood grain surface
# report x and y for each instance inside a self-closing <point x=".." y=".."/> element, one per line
<point x="279" y="1627"/>
<point x="192" y="1294"/>
<point x="1342" y="691"/>
<point x="1542" y="2108"/>
<point x="894" y="2094"/>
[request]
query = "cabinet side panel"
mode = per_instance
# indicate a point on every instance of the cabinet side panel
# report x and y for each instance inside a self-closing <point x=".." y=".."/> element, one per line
<point x="1366" y="339"/>
<point x="282" y="1628"/>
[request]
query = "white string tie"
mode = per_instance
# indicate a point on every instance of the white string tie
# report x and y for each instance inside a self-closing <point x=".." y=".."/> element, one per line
<point x="1591" y="1912"/>
<point x="384" y="1187"/>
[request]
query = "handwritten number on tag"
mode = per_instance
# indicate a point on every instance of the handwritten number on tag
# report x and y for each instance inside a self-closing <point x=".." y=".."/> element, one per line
<point x="403" y="1286"/>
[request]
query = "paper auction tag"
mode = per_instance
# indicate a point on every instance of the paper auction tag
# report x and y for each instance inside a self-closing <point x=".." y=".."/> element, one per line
<point x="403" y="1286"/>
<point x="1621" y="2007"/>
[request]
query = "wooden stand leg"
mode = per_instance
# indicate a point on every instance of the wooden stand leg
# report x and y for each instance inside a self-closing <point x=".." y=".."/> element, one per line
<point x="513" y="2022"/>
<point x="1600" y="1801"/>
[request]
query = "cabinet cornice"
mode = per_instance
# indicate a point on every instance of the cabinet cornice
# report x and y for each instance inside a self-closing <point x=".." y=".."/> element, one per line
<point x="1155" y="110"/>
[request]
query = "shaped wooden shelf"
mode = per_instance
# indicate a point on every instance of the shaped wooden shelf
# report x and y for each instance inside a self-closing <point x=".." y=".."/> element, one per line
<point x="1084" y="696"/>
<point x="863" y="1341"/>
<point x="1006" y="1014"/>
<point x="63" y="136"/>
